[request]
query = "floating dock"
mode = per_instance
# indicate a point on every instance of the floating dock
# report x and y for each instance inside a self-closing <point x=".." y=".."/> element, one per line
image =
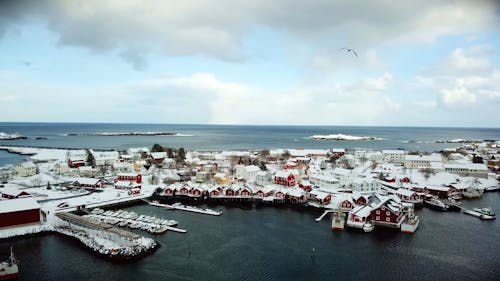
<point x="180" y="207"/>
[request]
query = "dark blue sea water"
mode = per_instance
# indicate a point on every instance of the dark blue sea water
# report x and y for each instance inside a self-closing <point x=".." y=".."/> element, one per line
<point x="276" y="244"/>
<point x="269" y="243"/>
<point x="218" y="137"/>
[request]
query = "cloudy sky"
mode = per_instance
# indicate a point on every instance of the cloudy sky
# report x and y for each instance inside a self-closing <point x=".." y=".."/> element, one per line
<point x="420" y="63"/>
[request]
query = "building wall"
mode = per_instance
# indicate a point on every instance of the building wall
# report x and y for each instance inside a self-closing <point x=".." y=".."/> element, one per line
<point x="19" y="218"/>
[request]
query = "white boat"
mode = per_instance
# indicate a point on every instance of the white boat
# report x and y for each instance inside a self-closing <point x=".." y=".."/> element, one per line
<point x="9" y="268"/>
<point x="410" y="225"/>
<point x="338" y="221"/>
<point x="435" y="203"/>
<point x="471" y="192"/>
<point x="368" y="227"/>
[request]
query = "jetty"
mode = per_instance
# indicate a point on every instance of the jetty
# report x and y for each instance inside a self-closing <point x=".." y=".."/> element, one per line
<point x="324" y="214"/>
<point x="134" y="221"/>
<point x="104" y="238"/>
<point x="180" y="207"/>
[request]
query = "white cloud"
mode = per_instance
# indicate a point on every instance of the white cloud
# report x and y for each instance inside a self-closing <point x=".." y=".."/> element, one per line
<point x="459" y="95"/>
<point x="201" y="98"/>
<point x="466" y="78"/>
<point x="218" y="28"/>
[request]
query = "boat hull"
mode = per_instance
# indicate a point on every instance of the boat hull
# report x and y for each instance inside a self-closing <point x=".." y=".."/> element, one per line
<point x="435" y="206"/>
<point x="410" y="226"/>
<point x="338" y="224"/>
<point x="9" y="276"/>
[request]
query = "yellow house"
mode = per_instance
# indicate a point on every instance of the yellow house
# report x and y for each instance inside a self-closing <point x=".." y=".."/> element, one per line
<point x="138" y="165"/>
<point x="221" y="179"/>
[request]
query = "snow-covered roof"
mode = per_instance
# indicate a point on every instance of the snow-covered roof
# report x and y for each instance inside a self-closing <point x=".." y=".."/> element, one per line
<point x="405" y="192"/>
<point x="87" y="181"/>
<point x="251" y="168"/>
<point x="158" y="155"/>
<point x="16" y="205"/>
<point x="11" y="191"/>
<point x="468" y="166"/>
<point x="341" y="171"/>
<point x="324" y="177"/>
<point x="27" y="165"/>
<point x="295" y="192"/>
<point x="437" y="187"/>
<point x="85" y="168"/>
<point x="393" y="151"/>
<point x="434" y="157"/>
<point x="282" y="174"/>
<point x="127" y="174"/>
<point x="126" y="184"/>
<point x="362" y="211"/>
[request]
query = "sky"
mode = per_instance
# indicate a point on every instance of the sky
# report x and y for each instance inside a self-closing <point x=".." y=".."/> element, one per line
<point x="281" y="62"/>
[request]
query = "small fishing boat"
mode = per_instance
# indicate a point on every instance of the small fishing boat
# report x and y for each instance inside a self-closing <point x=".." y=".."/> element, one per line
<point x="368" y="227"/>
<point x="9" y="268"/>
<point x="486" y="213"/>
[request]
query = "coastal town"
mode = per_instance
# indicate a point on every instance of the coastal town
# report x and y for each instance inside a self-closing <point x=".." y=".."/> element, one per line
<point x="78" y="192"/>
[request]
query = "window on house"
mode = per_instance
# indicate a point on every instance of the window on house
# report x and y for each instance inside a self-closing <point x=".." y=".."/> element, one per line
<point x="378" y="212"/>
<point x="387" y="213"/>
<point x="387" y="219"/>
<point x="377" y="218"/>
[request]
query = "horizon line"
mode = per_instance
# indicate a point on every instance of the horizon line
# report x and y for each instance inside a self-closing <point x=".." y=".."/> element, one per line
<point x="248" y="125"/>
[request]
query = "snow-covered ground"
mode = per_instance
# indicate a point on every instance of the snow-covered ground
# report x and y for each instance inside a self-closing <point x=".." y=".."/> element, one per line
<point x="40" y="154"/>
<point x="24" y="230"/>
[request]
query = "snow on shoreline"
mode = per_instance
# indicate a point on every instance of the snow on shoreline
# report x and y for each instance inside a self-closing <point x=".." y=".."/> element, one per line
<point x="39" y="154"/>
<point x="114" y="134"/>
<point x="342" y="137"/>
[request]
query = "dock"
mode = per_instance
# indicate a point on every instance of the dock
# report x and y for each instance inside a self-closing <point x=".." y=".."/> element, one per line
<point x="104" y="239"/>
<point x="180" y="207"/>
<point x="324" y="214"/>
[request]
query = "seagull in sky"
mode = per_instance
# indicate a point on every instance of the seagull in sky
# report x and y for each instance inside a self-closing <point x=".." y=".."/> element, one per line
<point x="349" y="50"/>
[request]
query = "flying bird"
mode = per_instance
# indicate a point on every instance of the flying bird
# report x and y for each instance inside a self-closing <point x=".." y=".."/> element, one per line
<point x="349" y="50"/>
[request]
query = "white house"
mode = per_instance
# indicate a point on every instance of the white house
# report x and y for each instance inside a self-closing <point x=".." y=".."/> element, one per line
<point x="61" y="168"/>
<point x="105" y="157"/>
<point x="423" y="161"/>
<point x="468" y="170"/>
<point x="394" y="156"/>
<point x="136" y="152"/>
<point x="263" y="178"/>
<point x="247" y="172"/>
<point x="26" y="169"/>
<point x="86" y="171"/>
<point x="120" y="167"/>
<point x="324" y="180"/>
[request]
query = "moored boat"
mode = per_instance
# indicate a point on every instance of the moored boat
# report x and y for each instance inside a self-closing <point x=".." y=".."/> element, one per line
<point x="436" y="204"/>
<point x="368" y="227"/>
<point x="486" y="213"/>
<point x="9" y="268"/>
<point x="471" y="193"/>
<point x="338" y="221"/>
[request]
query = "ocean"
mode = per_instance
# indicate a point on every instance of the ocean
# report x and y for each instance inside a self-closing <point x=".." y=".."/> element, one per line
<point x="272" y="243"/>
<point x="268" y="243"/>
<point x="231" y="137"/>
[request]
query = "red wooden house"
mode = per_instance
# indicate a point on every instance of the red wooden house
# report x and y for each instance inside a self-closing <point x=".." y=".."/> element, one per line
<point x="129" y="177"/>
<point x="196" y="192"/>
<point x="359" y="198"/>
<point x="284" y="178"/>
<point x="246" y="191"/>
<point x="387" y="212"/>
<point x="14" y="193"/>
